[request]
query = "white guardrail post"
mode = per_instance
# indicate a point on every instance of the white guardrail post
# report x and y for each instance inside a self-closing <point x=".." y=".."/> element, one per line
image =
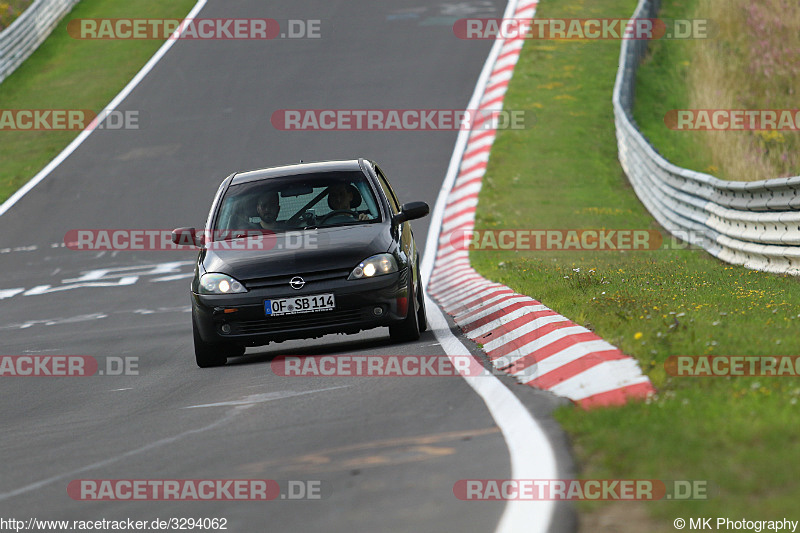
<point x="755" y="224"/>
<point x="31" y="28"/>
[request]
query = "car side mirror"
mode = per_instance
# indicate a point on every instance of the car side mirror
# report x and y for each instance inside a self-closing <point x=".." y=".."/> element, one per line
<point x="411" y="211"/>
<point x="187" y="237"/>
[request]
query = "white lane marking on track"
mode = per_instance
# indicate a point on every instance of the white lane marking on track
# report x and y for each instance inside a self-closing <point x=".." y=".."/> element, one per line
<point x="229" y="415"/>
<point x="10" y="293"/>
<point x="185" y="275"/>
<point x="102" y="277"/>
<point x="47" y="289"/>
<point x="30" y="248"/>
<point x="94" y="316"/>
<point x="52" y="165"/>
<point x="56" y="321"/>
<point x="264" y="397"/>
<point x="531" y="454"/>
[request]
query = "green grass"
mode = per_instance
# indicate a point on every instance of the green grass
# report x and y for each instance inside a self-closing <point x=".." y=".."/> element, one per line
<point x="563" y="173"/>
<point x="66" y="73"/>
<point x="662" y="86"/>
<point x="732" y="70"/>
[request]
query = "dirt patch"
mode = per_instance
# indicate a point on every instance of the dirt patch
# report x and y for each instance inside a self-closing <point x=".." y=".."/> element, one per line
<point x="621" y="517"/>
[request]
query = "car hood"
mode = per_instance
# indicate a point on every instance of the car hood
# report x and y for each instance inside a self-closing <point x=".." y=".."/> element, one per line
<point x="298" y="252"/>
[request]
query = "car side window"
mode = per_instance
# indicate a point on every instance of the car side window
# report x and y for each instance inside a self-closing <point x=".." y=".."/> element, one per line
<point x="387" y="190"/>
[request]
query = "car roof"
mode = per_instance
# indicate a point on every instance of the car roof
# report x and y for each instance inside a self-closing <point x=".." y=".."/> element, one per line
<point x="300" y="169"/>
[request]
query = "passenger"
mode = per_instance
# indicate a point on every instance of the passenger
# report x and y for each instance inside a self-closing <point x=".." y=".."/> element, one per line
<point x="341" y="198"/>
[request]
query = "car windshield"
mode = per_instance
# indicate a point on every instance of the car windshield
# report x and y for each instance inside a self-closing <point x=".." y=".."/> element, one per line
<point x="297" y="202"/>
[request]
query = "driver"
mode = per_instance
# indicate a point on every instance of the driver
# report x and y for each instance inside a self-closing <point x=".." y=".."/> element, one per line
<point x="340" y="198"/>
<point x="268" y="207"/>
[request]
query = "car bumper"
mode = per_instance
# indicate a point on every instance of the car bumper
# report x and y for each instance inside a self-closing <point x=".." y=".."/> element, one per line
<point x="240" y="318"/>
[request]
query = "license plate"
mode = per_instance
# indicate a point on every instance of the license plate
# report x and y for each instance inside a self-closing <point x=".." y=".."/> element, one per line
<point x="299" y="304"/>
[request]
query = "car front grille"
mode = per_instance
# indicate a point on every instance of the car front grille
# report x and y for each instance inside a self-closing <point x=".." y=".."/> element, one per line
<point x="282" y="282"/>
<point x="335" y="318"/>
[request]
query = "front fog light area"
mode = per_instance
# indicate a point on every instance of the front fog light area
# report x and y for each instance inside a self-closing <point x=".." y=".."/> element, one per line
<point x="213" y="283"/>
<point x="377" y="265"/>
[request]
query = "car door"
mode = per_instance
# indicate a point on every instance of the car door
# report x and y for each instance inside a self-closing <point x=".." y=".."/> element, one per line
<point x="405" y="234"/>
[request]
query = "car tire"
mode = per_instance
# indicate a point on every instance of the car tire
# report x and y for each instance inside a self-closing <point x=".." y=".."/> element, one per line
<point x="206" y="354"/>
<point x="408" y="329"/>
<point x="422" y="316"/>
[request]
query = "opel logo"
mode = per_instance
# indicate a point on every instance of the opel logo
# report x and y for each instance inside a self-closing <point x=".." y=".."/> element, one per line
<point x="297" y="283"/>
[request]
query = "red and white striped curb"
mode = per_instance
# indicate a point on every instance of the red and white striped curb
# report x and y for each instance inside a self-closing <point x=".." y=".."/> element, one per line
<point x="520" y="335"/>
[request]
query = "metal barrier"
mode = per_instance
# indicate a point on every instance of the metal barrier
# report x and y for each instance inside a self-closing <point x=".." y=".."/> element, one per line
<point x="755" y="224"/>
<point x="25" y="34"/>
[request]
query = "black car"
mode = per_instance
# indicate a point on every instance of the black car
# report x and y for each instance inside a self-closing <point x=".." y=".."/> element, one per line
<point x="301" y="251"/>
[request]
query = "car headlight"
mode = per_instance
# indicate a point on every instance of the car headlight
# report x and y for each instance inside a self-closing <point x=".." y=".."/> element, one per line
<point x="377" y="265"/>
<point x="213" y="283"/>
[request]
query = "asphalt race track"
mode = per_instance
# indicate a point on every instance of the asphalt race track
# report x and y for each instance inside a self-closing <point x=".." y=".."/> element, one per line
<point x="387" y="451"/>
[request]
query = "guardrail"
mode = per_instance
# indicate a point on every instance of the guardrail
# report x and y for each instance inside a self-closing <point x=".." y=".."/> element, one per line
<point x="25" y="34"/>
<point x="755" y="224"/>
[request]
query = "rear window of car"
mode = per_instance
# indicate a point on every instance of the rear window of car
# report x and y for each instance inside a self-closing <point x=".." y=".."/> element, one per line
<point x="303" y="201"/>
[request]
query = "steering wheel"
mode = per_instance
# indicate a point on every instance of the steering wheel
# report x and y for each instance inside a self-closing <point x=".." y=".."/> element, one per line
<point x="338" y="212"/>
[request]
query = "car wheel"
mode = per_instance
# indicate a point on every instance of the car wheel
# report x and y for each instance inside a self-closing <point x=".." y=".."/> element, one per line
<point x="408" y="329"/>
<point x="422" y="317"/>
<point x="205" y="353"/>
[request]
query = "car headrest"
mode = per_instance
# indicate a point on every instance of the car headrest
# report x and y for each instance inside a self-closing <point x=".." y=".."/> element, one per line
<point x="356" y="196"/>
